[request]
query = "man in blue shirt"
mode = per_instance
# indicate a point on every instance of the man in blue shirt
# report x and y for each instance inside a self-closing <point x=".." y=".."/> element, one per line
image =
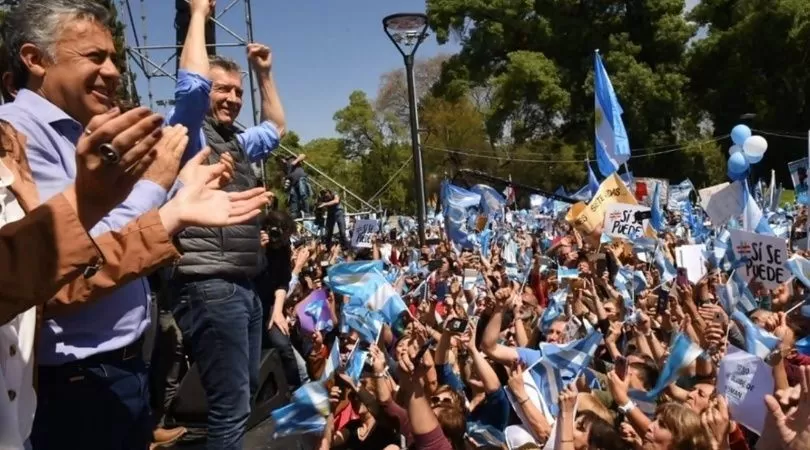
<point x="213" y="298"/>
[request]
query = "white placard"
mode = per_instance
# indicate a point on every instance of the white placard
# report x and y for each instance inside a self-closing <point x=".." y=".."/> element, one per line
<point x="723" y="204"/>
<point x="744" y="379"/>
<point x="691" y="258"/>
<point x="644" y="188"/>
<point x="626" y="221"/>
<point x="706" y="193"/>
<point x="766" y="257"/>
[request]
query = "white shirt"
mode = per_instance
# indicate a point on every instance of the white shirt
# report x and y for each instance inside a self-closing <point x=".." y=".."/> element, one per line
<point x="18" y="401"/>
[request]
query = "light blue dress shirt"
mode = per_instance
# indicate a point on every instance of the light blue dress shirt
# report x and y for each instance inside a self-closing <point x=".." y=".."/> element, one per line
<point x="120" y="318"/>
<point x="192" y="95"/>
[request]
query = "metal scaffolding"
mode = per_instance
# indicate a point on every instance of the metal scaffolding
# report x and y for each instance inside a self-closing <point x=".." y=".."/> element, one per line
<point x="149" y="60"/>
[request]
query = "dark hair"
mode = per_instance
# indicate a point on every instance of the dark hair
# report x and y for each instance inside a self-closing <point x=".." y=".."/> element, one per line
<point x="40" y="22"/>
<point x="647" y="372"/>
<point x="279" y="225"/>
<point x="602" y="435"/>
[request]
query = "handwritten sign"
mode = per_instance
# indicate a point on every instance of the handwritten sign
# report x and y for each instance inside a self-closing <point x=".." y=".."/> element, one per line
<point x="766" y="257"/>
<point x="626" y="221"/>
<point x="363" y="232"/>
<point x="589" y="218"/>
<point x="724" y="203"/>
<point x="744" y="379"/>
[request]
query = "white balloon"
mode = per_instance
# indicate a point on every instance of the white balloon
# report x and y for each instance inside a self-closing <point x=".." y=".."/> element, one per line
<point x="755" y="146"/>
<point x="734" y="149"/>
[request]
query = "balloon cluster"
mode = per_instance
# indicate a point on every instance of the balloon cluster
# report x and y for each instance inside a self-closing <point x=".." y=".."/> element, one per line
<point x="747" y="150"/>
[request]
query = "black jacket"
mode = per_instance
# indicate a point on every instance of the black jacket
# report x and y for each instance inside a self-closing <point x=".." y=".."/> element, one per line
<point x="232" y="251"/>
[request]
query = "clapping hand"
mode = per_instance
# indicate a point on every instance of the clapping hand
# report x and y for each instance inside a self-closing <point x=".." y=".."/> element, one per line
<point x="102" y="185"/>
<point x="214" y="176"/>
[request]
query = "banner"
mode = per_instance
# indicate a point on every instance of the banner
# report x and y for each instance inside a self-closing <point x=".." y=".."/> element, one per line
<point x="798" y="174"/>
<point x="643" y="189"/>
<point x="363" y="232"/>
<point x="744" y="379"/>
<point x="588" y="218"/>
<point x="626" y="221"/>
<point x="765" y="257"/>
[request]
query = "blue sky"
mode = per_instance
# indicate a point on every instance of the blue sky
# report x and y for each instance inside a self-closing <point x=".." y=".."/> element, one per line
<point x="322" y="51"/>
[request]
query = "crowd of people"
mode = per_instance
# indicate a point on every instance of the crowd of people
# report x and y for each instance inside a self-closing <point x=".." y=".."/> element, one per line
<point x="522" y="332"/>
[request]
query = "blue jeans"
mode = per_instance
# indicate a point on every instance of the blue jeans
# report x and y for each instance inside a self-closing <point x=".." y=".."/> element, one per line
<point x="221" y="322"/>
<point x="93" y="406"/>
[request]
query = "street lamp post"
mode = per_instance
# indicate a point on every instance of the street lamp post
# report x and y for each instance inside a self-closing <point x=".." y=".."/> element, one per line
<point x="407" y="31"/>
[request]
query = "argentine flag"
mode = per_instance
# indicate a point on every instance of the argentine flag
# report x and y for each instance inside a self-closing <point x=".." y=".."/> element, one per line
<point x="305" y="414"/>
<point x="753" y="219"/>
<point x="559" y="366"/>
<point x="612" y="143"/>
<point x="757" y="341"/>
<point x="682" y="353"/>
<point x="799" y="266"/>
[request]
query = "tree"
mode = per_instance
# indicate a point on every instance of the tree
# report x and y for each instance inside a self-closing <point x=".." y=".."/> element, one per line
<point x="392" y="96"/>
<point x="537" y="58"/>
<point x="753" y="60"/>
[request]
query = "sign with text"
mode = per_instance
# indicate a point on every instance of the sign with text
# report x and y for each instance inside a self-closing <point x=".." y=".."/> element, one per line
<point x="626" y="221"/>
<point x="363" y="232"/>
<point x="798" y="174"/>
<point x="589" y="218"/>
<point x="744" y="379"/>
<point x="722" y="204"/>
<point x="765" y="257"/>
<point x="644" y="188"/>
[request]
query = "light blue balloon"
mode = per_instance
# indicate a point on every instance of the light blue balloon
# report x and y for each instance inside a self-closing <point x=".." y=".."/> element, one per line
<point x="736" y="176"/>
<point x="737" y="163"/>
<point x="753" y="159"/>
<point x="740" y="133"/>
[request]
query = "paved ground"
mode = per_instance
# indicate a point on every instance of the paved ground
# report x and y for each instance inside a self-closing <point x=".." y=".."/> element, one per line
<point x="260" y="438"/>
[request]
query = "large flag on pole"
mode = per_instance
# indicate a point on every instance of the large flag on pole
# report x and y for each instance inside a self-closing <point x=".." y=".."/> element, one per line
<point x="612" y="144"/>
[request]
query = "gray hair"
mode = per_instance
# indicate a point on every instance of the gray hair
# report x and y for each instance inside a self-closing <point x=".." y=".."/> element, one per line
<point x="226" y="64"/>
<point x="40" y="22"/>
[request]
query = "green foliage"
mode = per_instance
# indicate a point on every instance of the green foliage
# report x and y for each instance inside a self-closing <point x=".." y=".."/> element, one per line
<point x="517" y="100"/>
<point x="754" y="60"/>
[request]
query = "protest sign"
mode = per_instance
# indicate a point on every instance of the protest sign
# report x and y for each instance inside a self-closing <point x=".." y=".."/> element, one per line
<point x="744" y="379"/>
<point x="644" y="188"/>
<point x="588" y="218"/>
<point x="691" y="258"/>
<point x="679" y="195"/>
<point x="723" y="204"/>
<point x="706" y="193"/>
<point x="765" y="257"/>
<point x="798" y="174"/>
<point x="626" y="221"/>
<point x="363" y="232"/>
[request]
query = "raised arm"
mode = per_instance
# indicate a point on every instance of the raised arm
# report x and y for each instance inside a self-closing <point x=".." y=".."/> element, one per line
<point x="261" y="60"/>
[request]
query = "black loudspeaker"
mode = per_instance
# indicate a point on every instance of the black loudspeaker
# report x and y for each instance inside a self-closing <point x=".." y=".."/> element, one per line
<point x="190" y="408"/>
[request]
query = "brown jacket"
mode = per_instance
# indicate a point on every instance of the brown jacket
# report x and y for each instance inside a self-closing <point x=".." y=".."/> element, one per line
<point x="44" y="255"/>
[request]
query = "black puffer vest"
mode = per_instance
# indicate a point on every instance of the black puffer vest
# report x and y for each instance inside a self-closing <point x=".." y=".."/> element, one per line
<point x="230" y="251"/>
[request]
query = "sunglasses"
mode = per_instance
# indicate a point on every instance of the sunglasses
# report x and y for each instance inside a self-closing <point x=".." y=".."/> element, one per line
<point x="439" y="400"/>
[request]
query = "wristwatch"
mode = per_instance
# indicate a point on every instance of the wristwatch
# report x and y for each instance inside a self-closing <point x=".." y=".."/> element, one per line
<point x="627" y="407"/>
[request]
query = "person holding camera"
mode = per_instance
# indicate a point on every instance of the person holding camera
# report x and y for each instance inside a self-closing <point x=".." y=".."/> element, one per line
<point x="329" y="204"/>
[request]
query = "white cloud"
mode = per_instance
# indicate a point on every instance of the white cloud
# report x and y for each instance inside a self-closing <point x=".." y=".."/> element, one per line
<point x="691" y="4"/>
